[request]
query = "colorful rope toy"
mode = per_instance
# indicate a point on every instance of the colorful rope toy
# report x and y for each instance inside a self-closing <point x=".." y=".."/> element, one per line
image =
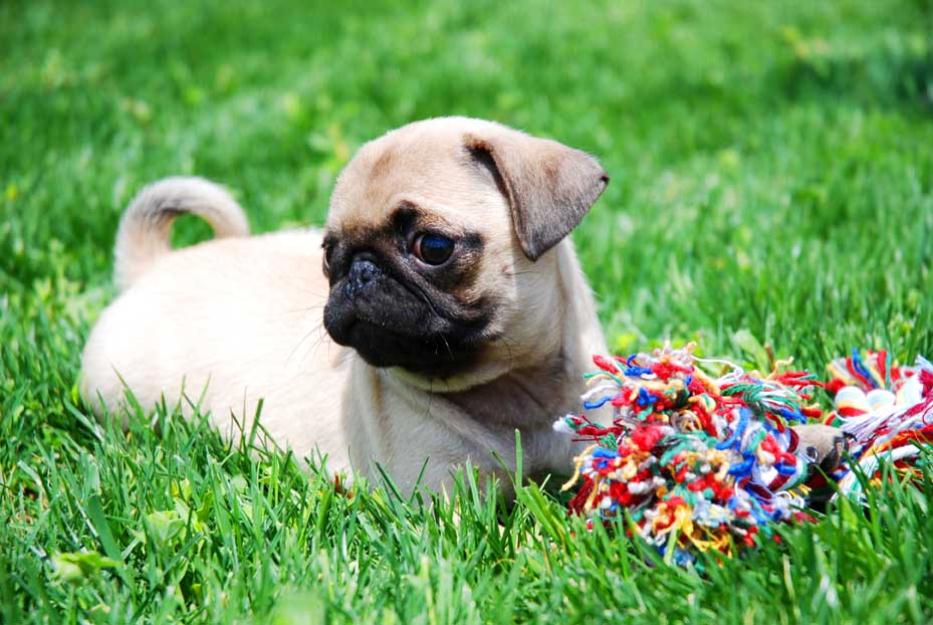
<point x="884" y="410"/>
<point x="706" y="463"/>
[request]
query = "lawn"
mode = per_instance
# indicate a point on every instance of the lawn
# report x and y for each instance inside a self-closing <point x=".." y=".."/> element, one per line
<point x="772" y="172"/>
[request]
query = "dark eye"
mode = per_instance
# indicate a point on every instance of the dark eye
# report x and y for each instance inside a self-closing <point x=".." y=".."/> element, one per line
<point x="434" y="249"/>
<point x="328" y="253"/>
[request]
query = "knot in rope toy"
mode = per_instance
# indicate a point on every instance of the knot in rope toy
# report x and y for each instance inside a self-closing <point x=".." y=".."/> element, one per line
<point x="884" y="410"/>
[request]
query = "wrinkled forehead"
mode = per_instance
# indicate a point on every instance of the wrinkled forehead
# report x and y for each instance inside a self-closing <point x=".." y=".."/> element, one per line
<point x="433" y="174"/>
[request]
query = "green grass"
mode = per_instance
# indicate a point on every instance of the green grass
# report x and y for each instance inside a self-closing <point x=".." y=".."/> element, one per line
<point x="771" y="172"/>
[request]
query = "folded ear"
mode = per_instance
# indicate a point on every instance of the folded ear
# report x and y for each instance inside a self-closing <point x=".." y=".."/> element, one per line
<point x="549" y="186"/>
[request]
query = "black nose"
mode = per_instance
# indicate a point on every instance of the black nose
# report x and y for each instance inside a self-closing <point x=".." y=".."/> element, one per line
<point x="362" y="273"/>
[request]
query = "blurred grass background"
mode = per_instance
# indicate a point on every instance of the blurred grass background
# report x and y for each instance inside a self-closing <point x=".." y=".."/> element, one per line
<point x="771" y="171"/>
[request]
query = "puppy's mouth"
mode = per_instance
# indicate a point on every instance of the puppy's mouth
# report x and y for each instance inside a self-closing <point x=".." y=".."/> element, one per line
<point x="430" y="355"/>
<point x="392" y="324"/>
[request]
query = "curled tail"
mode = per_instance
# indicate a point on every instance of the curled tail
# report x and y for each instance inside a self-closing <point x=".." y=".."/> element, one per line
<point x="144" y="230"/>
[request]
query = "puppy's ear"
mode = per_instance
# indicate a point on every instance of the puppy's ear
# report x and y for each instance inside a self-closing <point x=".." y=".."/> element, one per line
<point x="549" y="187"/>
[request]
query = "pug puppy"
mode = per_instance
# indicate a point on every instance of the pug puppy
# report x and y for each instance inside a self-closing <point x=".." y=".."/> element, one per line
<point x="441" y="311"/>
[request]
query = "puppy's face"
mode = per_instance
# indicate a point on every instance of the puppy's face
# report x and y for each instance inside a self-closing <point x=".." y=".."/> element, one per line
<point x="436" y="247"/>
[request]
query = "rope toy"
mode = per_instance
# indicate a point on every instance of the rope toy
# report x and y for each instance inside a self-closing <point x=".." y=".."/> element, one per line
<point x="702" y="463"/>
<point x="884" y="410"/>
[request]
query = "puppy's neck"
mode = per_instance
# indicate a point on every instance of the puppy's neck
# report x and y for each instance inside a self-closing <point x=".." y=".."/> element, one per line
<point x="528" y="398"/>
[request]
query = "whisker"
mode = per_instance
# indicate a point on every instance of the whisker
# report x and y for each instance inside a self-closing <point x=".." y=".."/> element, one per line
<point x="303" y="339"/>
<point x="321" y="338"/>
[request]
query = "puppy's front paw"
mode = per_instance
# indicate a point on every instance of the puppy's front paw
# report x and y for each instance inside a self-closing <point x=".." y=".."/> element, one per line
<point x="822" y="445"/>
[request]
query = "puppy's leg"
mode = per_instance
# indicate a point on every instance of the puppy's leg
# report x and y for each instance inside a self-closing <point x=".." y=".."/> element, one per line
<point x="823" y="445"/>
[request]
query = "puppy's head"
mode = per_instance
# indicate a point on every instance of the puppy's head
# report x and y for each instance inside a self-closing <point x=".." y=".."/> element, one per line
<point x="437" y="248"/>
